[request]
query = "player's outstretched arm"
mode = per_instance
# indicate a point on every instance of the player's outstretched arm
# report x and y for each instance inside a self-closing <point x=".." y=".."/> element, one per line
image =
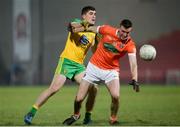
<point x="133" y="68"/>
<point x="76" y="27"/>
<point x="93" y="29"/>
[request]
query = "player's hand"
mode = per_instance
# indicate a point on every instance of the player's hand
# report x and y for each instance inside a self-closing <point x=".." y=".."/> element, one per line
<point x="85" y="24"/>
<point x="135" y="85"/>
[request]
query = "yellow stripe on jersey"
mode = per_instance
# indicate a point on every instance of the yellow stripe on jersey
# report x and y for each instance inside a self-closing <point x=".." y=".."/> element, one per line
<point x="59" y="67"/>
<point x="77" y="45"/>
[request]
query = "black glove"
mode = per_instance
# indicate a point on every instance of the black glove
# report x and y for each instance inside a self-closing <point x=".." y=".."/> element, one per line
<point x="135" y="85"/>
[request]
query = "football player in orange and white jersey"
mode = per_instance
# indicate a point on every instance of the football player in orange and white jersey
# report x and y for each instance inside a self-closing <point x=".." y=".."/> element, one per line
<point x="104" y="65"/>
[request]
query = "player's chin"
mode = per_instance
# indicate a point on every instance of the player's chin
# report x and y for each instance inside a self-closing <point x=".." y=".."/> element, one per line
<point x="92" y="22"/>
<point x="124" y="38"/>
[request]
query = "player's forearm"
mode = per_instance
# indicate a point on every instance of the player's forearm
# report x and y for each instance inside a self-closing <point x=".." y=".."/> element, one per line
<point x="82" y="28"/>
<point x="134" y="72"/>
<point x="75" y="24"/>
<point x="76" y="27"/>
<point x="133" y="66"/>
<point x="93" y="29"/>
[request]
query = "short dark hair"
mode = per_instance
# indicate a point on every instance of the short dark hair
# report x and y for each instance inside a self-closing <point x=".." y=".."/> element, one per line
<point x="86" y="9"/>
<point x="126" y="23"/>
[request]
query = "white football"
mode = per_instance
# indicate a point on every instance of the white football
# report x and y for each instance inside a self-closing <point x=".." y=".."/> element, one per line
<point x="147" y="52"/>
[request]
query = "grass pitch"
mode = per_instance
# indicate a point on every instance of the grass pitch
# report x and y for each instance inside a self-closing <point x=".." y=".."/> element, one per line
<point x="153" y="106"/>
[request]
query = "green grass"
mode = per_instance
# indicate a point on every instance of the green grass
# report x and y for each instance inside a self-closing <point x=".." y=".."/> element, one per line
<point x="154" y="105"/>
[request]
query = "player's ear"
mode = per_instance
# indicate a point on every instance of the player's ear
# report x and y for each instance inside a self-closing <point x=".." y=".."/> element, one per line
<point x="83" y="16"/>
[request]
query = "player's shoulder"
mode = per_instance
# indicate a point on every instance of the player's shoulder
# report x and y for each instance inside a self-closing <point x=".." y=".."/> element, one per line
<point x="109" y="30"/>
<point x="130" y="46"/>
<point x="131" y="41"/>
<point x="108" y="26"/>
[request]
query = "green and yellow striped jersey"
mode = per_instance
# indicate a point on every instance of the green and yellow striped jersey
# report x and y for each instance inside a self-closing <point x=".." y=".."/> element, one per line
<point x="77" y="45"/>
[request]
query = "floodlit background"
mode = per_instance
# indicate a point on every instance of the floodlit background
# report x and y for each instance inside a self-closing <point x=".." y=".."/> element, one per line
<point x="33" y="34"/>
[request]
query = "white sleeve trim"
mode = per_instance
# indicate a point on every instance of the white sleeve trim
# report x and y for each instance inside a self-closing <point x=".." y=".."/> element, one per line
<point x="131" y="54"/>
<point x="98" y="29"/>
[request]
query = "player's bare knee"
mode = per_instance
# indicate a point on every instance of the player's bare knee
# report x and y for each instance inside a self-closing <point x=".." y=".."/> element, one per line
<point x="115" y="97"/>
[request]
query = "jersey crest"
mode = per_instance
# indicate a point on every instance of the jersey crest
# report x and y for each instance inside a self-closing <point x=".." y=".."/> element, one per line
<point x="84" y="40"/>
<point x="110" y="48"/>
<point x="114" y="47"/>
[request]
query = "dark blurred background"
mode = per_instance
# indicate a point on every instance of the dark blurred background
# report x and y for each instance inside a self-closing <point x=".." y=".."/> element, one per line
<point x="33" y="34"/>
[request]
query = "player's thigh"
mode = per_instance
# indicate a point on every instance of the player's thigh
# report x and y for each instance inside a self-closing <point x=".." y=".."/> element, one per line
<point x="114" y="87"/>
<point x="92" y="88"/>
<point x="83" y="90"/>
<point x="58" y="81"/>
<point x="78" y="77"/>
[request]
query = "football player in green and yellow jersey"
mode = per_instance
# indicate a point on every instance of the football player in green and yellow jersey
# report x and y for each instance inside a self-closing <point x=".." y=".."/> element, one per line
<point x="70" y="64"/>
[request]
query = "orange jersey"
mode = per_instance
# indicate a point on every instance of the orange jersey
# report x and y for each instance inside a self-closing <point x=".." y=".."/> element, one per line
<point x="110" y="49"/>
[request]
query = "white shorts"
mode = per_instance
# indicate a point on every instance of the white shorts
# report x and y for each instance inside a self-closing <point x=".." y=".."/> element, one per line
<point x="94" y="74"/>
